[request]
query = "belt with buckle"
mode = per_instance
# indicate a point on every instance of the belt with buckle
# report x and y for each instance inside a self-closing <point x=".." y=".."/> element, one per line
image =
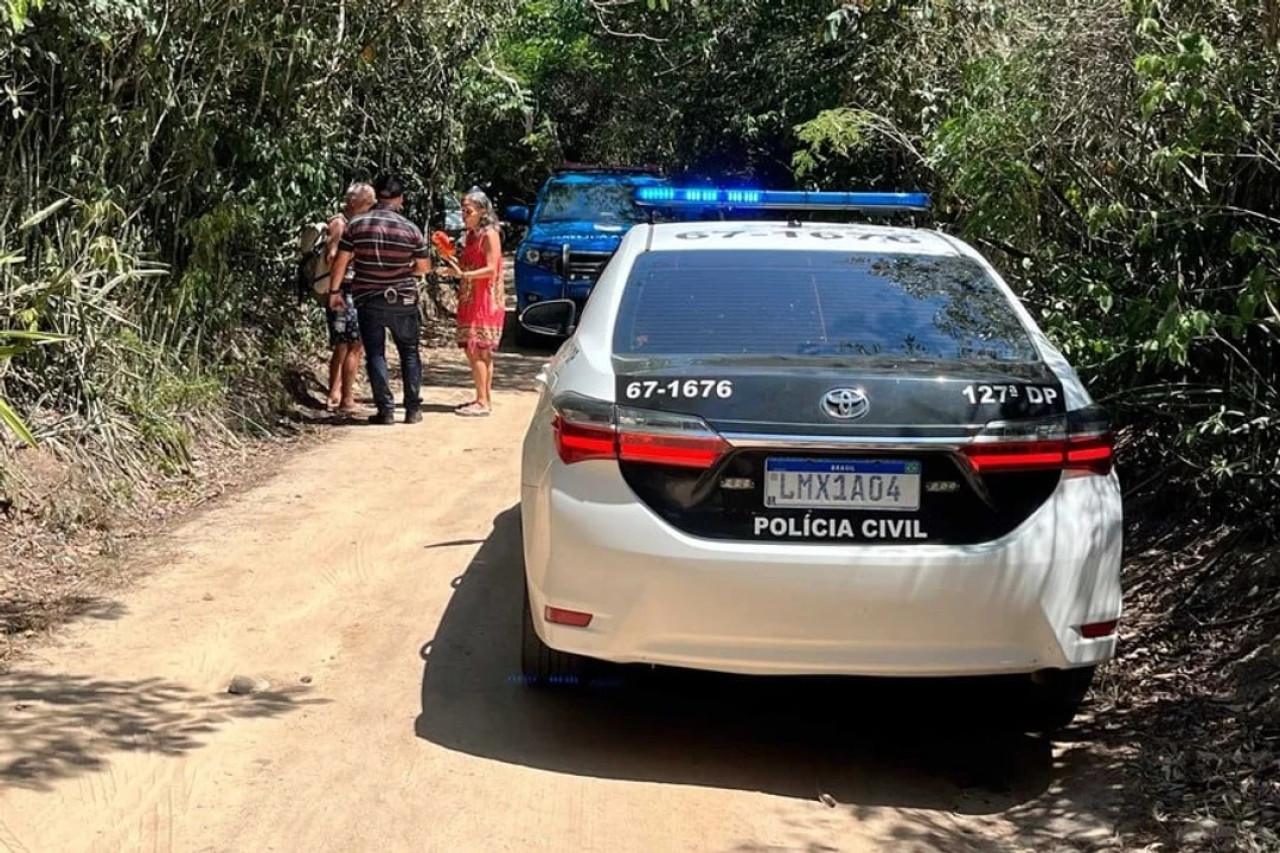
<point x="389" y="296"/>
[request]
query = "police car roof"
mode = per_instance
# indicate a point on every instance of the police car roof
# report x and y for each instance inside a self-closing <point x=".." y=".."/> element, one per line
<point x="783" y="236"/>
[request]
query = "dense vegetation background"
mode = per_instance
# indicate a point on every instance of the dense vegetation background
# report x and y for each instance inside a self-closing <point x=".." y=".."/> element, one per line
<point x="160" y="158"/>
<point x="1116" y="157"/>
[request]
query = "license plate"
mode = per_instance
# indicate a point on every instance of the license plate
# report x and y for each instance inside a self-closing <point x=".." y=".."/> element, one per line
<point x="879" y="484"/>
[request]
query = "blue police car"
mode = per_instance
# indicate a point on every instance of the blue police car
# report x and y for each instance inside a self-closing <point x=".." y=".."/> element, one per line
<point x="581" y="215"/>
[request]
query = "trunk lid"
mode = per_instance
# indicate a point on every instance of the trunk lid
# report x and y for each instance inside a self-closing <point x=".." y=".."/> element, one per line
<point x="840" y="451"/>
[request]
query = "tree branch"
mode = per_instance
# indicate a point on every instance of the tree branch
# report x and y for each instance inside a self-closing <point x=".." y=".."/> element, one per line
<point x="600" y="6"/>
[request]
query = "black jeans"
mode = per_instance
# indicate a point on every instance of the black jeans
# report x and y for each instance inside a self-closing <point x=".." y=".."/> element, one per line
<point x="405" y="324"/>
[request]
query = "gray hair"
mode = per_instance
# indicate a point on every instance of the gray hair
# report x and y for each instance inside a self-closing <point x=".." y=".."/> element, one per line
<point x="488" y="216"/>
<point x="361" y="192"/>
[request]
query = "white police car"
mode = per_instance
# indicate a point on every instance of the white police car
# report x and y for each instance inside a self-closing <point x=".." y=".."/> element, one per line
<point x="778" y="447"/>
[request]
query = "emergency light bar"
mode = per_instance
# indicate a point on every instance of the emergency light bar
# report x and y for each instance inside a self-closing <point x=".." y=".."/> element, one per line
<point x="785" y="199"/>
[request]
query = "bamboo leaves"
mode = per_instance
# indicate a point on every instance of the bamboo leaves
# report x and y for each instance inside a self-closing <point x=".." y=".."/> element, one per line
<point x="158" y="158"/>
<point x="14" y="343"/>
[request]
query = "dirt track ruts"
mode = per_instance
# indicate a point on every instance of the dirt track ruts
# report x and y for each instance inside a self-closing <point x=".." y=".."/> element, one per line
<point x="375" y="581"/>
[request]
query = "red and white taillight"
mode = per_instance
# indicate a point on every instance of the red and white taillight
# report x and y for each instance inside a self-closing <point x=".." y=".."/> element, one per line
<point x="586" y="428"/>
<point x="1078" y="441"/>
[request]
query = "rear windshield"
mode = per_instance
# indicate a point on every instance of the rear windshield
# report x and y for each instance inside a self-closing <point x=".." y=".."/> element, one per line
<point x="820" y="303"/>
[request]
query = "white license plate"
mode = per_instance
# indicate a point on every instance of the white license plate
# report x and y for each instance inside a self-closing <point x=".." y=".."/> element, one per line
<point x="878" y="484"/>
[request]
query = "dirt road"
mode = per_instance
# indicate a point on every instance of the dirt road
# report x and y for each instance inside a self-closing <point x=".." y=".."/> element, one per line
<point x="375" y="583"/>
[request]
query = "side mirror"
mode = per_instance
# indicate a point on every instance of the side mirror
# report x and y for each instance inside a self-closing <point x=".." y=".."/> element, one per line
<point x="554" y="318"/>
<point x="519" y="214"/>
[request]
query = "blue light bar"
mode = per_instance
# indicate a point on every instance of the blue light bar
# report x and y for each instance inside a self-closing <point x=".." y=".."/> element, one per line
<point x="786" y="199"/>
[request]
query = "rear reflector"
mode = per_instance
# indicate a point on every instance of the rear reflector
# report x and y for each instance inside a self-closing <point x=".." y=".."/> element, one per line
<point x="573" y="618"/>
<point x="1094" y="630"/>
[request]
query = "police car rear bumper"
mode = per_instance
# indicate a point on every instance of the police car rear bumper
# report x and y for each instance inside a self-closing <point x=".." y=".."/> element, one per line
<point x="659" y="596"/>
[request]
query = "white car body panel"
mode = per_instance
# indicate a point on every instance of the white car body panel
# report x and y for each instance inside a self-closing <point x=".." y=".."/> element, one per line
<point x="660" y="596"/>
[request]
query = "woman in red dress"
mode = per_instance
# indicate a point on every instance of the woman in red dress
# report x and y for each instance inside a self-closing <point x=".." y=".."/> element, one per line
<point x="482" y="309"/>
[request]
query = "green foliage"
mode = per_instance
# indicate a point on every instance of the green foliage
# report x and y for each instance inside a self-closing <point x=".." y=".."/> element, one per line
<point x="18" y="12"/>
<point x="1116" y="158"/>
<point x="159" y="161"/>
<point x="682" y="84"/>
<point x="1119" y="164"/>
<point x="14" y="343"/>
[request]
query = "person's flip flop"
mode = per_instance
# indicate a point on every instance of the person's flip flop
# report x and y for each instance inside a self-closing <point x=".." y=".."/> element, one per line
<point x="473" y="410"/>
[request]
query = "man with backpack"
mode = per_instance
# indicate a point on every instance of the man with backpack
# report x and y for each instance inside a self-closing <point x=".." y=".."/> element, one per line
<point x="387" y="253"/>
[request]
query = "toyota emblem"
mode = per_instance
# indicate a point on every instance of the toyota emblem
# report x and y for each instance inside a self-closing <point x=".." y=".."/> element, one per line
<point x="845" y="403"/>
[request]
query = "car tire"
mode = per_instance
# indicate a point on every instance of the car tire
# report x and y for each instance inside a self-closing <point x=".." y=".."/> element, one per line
<point x="543" y="666"/>
<point x="1057" y="696"/>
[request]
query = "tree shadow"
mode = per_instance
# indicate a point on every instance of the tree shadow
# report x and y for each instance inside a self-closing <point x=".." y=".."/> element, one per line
<point x="855" y="743"/>
<point x="305" y="389"/>
<point x="36" y="613"/>
<point x="513" y="369"/>
<point x="55" y="727"/>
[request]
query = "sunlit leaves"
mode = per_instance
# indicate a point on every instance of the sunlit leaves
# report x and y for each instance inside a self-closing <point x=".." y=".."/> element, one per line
<point x="161" y="156"/>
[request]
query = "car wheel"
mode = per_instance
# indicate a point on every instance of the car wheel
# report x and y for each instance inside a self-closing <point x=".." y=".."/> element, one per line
<point x="1056" y="697"/>
<point x="542" y="665"/>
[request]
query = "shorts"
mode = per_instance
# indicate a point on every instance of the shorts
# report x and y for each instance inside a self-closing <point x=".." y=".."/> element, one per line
<point x="344" y="326"/>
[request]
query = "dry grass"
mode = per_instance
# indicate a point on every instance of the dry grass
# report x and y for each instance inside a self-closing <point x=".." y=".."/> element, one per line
<point x="1194" y="695"/>
<point x="67" y="519"/>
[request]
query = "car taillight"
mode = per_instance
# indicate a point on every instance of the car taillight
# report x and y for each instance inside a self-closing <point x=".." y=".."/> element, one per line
<point x="1080" y="441"/>
<point x="1094" y="453"/>
<point x="584" y="429"/>
<point x="593" y="429"/>
<point x="661" y="438"/>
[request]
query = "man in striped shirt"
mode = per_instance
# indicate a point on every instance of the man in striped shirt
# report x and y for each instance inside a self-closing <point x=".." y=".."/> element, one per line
<point x="387" y="252"/>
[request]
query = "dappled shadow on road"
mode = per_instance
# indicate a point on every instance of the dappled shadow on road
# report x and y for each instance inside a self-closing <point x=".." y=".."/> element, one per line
<point x="856" y="744"/>
<point x="443" y="367"/>
<point x="55" y="727"/>
<point x="40" y="610"/>
<point x="512" y="371"/>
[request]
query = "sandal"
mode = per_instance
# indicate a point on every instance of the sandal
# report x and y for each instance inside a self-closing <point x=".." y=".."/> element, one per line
<point x="473" y="410"/>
